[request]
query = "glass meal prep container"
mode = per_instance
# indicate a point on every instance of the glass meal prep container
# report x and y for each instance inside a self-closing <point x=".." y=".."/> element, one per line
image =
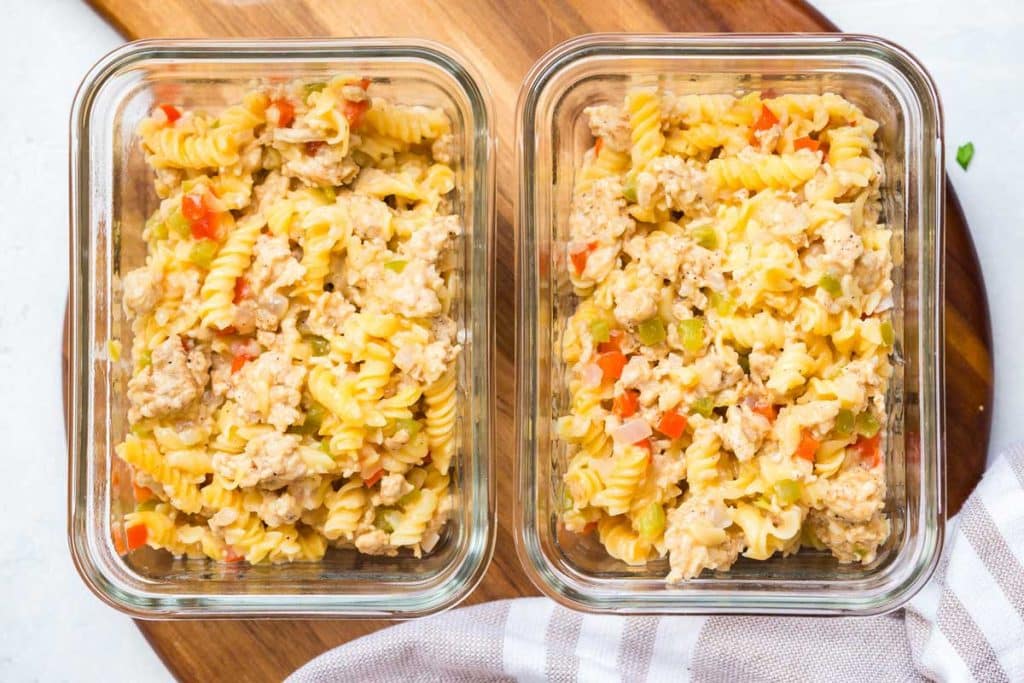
<point x="111" y="196"/>
<point x="552" y="136"/>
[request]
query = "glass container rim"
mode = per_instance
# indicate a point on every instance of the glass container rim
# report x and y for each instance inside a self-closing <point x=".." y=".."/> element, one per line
<point x="543" y="574"/>
<point x="467" y="573"/>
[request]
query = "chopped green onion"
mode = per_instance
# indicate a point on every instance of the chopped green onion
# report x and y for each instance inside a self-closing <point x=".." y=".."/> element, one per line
<point x="691" y="334"/>
<point x="320" y="346"/>
<point x="310" y="88"/>
<point x="142" y="430"/>
<point x="147" y="506"/>
<point x="703" y="406"/>
<point x="409" y="426"/>
<point x="397" y="265"/>
<point x="722" y="303"/>
<point x="830" y="283"/>
<point x="888" y="333"/>
<point x="411" y="498"/>
<point x="845" y="422"/>
<point x="178" y="224"/>
<point x="156" y="227"/>
<point x="271" y="158"/>
<point x="145" y="359"/>
<point x="744" y="363"/>
<point x="567" y="501"/>
<point x="311" y="425"/>
<point x="600" y="331"/>
<point x="651" y="522"/>
<point x="964" y="154"/>
<point x="384" y="519"/>
<point x="867" y="424"/>
<point x="651" y="331"/>
<point x="325" y="446"/>
<point x="788" y="491"/>
<point x="328" y="193"/>
<point x="203" y="252"/>
<point x="629" y="190"/>
<point x="860" y="551"/>
<point x="705" y="236"/>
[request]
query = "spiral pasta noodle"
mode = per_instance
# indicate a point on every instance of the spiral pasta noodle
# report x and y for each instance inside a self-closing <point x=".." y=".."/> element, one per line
<point x="727" y="355"/>
<point x="293" y="383"/>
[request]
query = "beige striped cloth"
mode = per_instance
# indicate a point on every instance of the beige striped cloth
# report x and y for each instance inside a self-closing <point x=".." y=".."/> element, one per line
<point x="966" y="624"/>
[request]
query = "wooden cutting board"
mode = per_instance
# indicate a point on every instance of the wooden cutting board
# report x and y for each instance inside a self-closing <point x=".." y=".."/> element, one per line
<point x="503" y="40"/>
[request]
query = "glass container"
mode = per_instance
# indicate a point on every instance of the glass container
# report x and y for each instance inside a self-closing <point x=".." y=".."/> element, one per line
<point x="552" y="135"/>
<point x="111" y="194"/>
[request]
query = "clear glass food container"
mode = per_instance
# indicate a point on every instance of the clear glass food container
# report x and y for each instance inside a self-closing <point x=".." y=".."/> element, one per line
<point x="552" y="136"/>
<point x="112" y="194"/>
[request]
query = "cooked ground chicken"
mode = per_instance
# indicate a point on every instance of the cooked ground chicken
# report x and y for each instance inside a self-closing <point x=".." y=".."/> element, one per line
<point x="173" y="380"/>
<point x="393" y="487"/>
<point x="269" y="389"/>
<point x="849" y="541"/>
<point x="270" y="461"/>
<point x="274" y="269"/>
<point x="610" y="124"/>
<point x="698" y="538"/>
<point x="140" y="291"/>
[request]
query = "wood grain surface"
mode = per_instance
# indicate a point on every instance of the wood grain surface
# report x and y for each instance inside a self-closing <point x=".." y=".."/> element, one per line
<point x="503" y="40"/>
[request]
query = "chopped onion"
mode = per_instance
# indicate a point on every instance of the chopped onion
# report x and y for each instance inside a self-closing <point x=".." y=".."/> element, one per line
<point x="591" y="375"/>
<point x="632" y="431"/>
<point x="577" y="247"/>
<point x="884" y="305"/>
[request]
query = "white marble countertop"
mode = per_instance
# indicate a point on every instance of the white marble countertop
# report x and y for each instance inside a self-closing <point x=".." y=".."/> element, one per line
<point x="51" y="627"/>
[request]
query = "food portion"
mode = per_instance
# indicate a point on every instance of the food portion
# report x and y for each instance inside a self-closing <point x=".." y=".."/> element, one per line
<point x="728" y="356"/>
<point x="293" y="355"/>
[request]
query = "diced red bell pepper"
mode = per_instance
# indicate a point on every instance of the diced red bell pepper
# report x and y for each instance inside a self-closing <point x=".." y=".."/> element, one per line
<point x="354" y="111"/>
<point x="626" y="403"/>
<point x="137" y="536"/>
<point x="764" y="122"/>
<point x="672" y="424"/>
<point x="198" y="208"/>
<point x="285" y="112"/>
<point x="242" y="290"/>
<point x="239" y="360"/>
<point x="589" y="528"/>
<point x="141" y="493"/>
<point x="808" y="447"/>
<point x="614" y="343"/>
<point x="611" y="364"/>
<point x="314" y="146"/>
<point x="374" y="478"/>
<point x="766" y="409"/>
<point x="807" y="143"/>
<point x="171" y="112"/>
<point x="598" y="144"/>
<point x="870" y="450"/>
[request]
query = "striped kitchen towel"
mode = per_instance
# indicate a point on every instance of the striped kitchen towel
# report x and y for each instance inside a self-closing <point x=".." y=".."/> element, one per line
<point x="966" y="624"/>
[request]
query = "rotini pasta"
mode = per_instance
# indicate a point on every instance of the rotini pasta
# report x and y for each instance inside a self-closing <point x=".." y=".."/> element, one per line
<point x="294" y="383"/>
<point x="728" y="357"/>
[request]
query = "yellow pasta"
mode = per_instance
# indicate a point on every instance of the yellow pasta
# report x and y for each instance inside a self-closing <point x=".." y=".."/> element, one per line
<point x="293" y="384"/>
<point x="727" y="360"/>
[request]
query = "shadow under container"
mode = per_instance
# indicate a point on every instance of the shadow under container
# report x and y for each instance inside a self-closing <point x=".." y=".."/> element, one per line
<point x="552" y="135"/>
<point x="111" y="196"/>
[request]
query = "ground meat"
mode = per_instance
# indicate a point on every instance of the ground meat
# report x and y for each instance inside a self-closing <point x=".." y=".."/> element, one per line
<point x="849" y="541"/>
<point x="374" y="542"/>
<point x="371" y="218"/>
<point x="270" y="461"/>
<point x="432" y="238"/>
<point x="268" y="389"/>
<point x="599" y="214"/>
<point x="426" y="363"/>
<point x="172" y="381"/>
<point x="412" y="293"/>
<point x="611" y="125"/>
<point x="842" y="246"/>
<point x="443" y="149"/>
<point x="274" y="268"/>
<point x="393" y="487"/>
<point x="328" y="166"/>
<point x="743" y="431"/>
<point x="272" y="190"/>
<point x="328" y="314"/>
<point x="670" y="183"/>
<point x="140" y="291"/>
<point x="698" y="537"/>
<point x="855" y="494"/>
<point x="279" y="510"/>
